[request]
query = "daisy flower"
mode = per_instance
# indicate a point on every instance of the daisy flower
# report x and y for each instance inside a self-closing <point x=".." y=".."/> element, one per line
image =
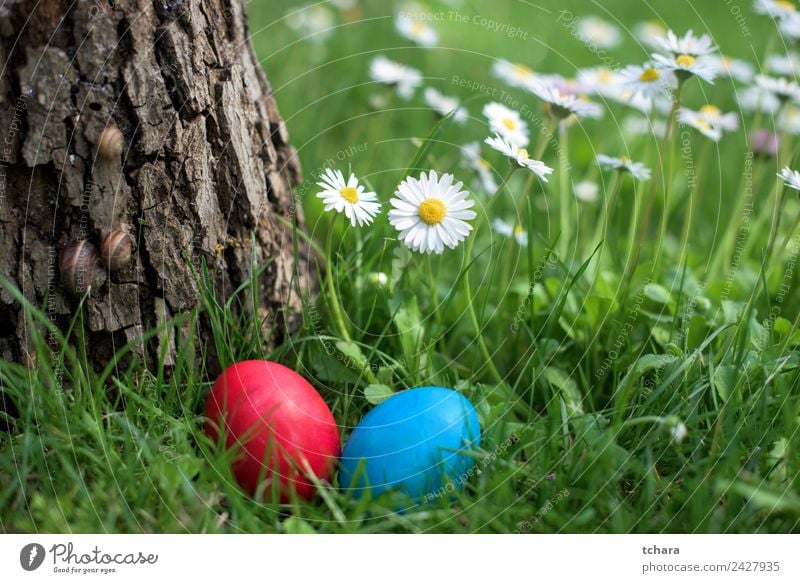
<point x="624" y="164"/>
<point x="348" y="197"/>
<point x="472" y="157"/>
<point x="415" y="30"/>
<point x="678" y="432"/>
<point x="514" y="74"/>
<point x="431" y="212"/>
<point x="316" y="22"/>
<point x="650" y="33"/>
<point x="443" y="105"/>
<point x="685" y="65"/>
<point x="406" y="79"/>
<point x="735" y="69"/>
<point x="586" y="191"/>
<point x="598" y="32"/>
<point x="789" y="119"/>
<point x="728" y="122"/>
<point x="507" y="123"/>
<point x="780" y="87"/>
<point x="520" y="155"/>
<point x="790" y="26"/>
<point x="790" y="177"/>
<point x="688" y="44"/>
<point x="698" y="122"/>
<point x="562" y="105"/>
<point x="600" y="81"/>
<point x="506" y="229"/>
<point x="757" y="98"/>
<point x="788" y="64"/>
<point x="644" y="126"/>
<point x="629" y="97"/>
<point x="709" y="121"/>
<point x="646" y="80"/>
<point x="775" y="8"/>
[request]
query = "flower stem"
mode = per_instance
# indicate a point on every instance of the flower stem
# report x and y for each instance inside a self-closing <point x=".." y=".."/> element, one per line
<point x="336" y="308"/>
<point x="333" y="299"/>
<point x="473" y="317"/>
<point x="693" y="196"/>
<point x="563" y="187"/>
<point x="766" y="212"/>
<point x="724" y="254"/>
<point x="669" y="145"/>
<point x="434" y="293"/>
<point x="602" y="226"/>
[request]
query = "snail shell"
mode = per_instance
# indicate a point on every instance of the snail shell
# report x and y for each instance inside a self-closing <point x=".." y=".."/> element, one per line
<point x="110" y="143"/>
<point x="78" y="266"/>
<point x="116" y="249"/>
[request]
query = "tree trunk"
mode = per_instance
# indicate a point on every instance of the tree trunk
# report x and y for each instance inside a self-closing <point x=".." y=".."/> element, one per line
<point x="205" y="162"/>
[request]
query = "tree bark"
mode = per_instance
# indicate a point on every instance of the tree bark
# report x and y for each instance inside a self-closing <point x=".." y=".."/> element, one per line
<point x="205" y="163"/>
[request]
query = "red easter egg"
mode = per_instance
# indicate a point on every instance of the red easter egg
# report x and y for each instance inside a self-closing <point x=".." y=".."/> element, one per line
<point x="281" y="424"/>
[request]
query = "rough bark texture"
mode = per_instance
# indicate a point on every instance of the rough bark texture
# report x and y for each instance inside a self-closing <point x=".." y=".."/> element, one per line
<point x="206" y="160"/>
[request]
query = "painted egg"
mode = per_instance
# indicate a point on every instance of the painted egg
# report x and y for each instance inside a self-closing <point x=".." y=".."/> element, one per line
<point x="282" y="426"/>
<point x="413" y="442"/>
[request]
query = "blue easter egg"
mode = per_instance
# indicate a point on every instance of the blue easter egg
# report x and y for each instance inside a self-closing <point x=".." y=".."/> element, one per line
<point x="412" y="442"/>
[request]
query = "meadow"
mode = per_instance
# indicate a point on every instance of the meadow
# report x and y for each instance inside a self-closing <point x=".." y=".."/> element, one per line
<point x="628" y="332"/>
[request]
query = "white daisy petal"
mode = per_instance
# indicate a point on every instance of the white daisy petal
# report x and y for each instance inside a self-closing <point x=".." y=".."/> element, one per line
<point x="790" y="177"/>
<point x="347" y="196"/>
<point x="427" y="212"/>
<point x="403" y="78"/>
<point x="636" y="169"/>
<point x="520" y="156"/>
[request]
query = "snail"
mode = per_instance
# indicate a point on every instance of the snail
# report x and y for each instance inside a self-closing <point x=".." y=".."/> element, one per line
<point x="116" y="249"/>
<point x="78" y="266"/>
<point x="110" y="143"/>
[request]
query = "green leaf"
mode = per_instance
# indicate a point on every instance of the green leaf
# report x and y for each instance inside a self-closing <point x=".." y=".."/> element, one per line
<point x="782" y="326"/>
<point x="645" y="364"/>
<point x="764" y="498"/>
<point x="657" y="294"/>
<point x="725" y="378"/>
<point x="567" y="386"/>
<point x="384" y="375"/>
<point x="661" y="335"/>
<point x="295" y="525"/>
<point x="377" y="393"/>
<point x="352" y="351"/>
<point x="408" y="321"/>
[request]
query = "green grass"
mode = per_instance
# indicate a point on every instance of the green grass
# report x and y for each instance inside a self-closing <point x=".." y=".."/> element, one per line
<point x="598" y="364"/>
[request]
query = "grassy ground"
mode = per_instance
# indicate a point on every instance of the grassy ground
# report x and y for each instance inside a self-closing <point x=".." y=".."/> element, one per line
<point x="583" y="379"/>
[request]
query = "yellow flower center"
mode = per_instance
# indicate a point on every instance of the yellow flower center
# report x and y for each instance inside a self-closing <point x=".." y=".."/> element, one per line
<point x="710" y="110"/>
<point x="481" y="163"/>
<point x="684" y="60"/>
<point x="519" y="230"/>
<point x="649" y="75"/>
<point x="703" y="124"/>
<point x="785" y="4"/>
<point x="432" y="211"/>
<point x="605" y="76"/>
<point x="417" y="29"/>
<point x="522" y="154"/>
<point x="350" y="194"/>
<point x="523" y="71"/>
<point x="509" y="123"/>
